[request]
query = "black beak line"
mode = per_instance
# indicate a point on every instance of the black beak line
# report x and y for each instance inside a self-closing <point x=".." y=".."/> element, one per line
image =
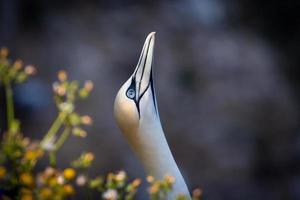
<point x="142" y="78"/>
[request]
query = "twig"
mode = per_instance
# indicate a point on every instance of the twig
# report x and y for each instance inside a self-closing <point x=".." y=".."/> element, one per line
<point x="54" y="128"/>
<point x="9" y="105"/>
<point x="61" y="140"/>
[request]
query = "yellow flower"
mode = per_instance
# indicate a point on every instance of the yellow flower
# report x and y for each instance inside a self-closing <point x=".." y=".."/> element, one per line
<point x="30" y="70"/>
<point x="18" y="64"/>
<point x="45" y="193"/>
<point x="150" y="179"/>
<point x="88" y="85"/>
<point x="26" y="141"/>
<point x="79" y="132"/>
<point x="110" y="176"/>
<point x="60" y="90"/>
<point x="68" y="189"/>
<point x="169" y="179"/>
<point x="26" y="197"/>
<point x="33" y="154"/>
<point x="62" y="75"/>
<point x="81" y="180"/>
<point x="26" y="178"/>
<point x="60" y="180"/>
<point x="69" y="173"/>
<point x="110" y="194"/>
<point x="181" y="197"/>
<point x="4" y="52"/>
<point x="86" y="120"/>
<point x="52" y="181"/>
<point x="154" y="188"/>
<point x="89" y="157"/>
<point x="136" y="183"/>
<point x="49" y="171"/>
<point x="121" y="176"/>
<point x="2" y="171"/>
<point x="26" y="194"/>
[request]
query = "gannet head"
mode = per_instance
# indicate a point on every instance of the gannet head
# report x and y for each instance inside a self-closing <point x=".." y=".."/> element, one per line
<point x="135" y="102"/>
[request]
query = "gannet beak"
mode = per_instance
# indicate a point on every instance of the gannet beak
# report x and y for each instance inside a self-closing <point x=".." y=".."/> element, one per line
<point x="143" y="71"/>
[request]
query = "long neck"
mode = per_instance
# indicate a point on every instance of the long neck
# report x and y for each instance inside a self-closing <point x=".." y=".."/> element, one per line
<point x="152" y="148"/>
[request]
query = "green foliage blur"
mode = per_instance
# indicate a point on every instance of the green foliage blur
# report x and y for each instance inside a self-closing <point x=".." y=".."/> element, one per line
<point x="19" y="155"/>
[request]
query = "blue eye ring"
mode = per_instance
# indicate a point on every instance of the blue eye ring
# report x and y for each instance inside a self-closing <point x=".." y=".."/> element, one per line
<point x="130" y="93"/>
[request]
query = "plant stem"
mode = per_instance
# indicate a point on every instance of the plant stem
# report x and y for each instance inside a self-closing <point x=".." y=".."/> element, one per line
<point x="89" y="193"/>
<point x="52" y="154"/>
<point x="52" y="158"/>
<point x="61" y="140"/>
<point x="54" y="128"/>
<point x="9" y="105"/>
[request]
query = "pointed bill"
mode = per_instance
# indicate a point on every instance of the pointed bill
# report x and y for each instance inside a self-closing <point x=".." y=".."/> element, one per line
<point x="143" y="70"/>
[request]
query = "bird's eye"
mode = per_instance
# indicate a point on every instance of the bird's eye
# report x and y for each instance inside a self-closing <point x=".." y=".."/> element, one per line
<point x="130" y="93"/>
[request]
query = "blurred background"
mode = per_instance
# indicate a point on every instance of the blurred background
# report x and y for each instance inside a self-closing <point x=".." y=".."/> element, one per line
<point x="227" y="79"/>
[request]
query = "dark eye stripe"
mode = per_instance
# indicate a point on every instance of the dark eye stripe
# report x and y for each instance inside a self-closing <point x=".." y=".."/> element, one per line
<point x="132" y="88"/>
